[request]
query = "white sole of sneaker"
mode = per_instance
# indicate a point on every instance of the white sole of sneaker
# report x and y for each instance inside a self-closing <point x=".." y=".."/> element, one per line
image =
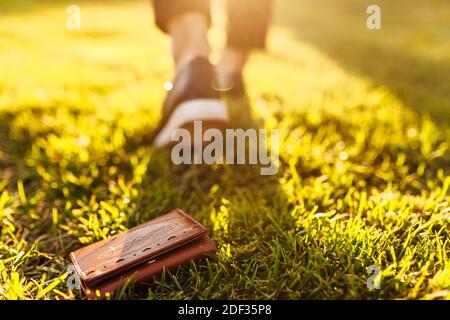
<point x="188" y="112"/>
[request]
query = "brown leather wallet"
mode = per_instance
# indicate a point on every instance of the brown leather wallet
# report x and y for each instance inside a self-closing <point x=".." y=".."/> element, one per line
<point x="140" y="253"/>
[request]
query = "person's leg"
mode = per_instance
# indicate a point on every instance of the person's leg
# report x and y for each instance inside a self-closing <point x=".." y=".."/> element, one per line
<point x="193" y="97"/>
<point x="186" y="22"/>
<point x="248" y="23"/>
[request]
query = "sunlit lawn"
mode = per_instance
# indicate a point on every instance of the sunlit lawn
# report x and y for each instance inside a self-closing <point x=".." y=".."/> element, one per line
<point x="365" y="163"/>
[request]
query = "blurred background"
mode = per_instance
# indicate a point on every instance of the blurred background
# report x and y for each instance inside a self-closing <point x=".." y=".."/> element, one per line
<point x="410" y="56"/>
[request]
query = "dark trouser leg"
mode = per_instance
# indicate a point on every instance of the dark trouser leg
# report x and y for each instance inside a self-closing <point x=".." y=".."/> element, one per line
<point x="248" y="22"/>
<point x="167" y="9"/>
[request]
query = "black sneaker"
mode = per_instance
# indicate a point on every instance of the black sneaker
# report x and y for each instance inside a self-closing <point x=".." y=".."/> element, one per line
<point x="192" y="98"/>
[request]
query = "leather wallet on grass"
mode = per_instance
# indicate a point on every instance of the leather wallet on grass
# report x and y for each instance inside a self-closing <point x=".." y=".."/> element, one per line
<point x="140" y="253"/>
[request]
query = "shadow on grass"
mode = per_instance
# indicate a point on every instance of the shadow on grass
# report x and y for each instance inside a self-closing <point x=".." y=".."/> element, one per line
<point x="12" y="152"/>
<point x="199" y="187"/>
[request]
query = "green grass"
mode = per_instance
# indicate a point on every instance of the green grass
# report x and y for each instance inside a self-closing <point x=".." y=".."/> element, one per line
<point x="364" y="176"/>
